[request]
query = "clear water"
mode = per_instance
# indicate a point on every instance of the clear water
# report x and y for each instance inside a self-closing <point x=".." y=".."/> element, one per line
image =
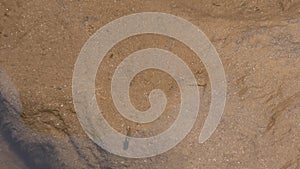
<point x="8" y="158"/>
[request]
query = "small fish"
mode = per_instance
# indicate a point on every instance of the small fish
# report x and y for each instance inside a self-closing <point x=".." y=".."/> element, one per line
<point x="126" y="141"/>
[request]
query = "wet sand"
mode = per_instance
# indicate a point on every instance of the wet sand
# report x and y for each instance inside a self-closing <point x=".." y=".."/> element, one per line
<point x="258" y="43"/>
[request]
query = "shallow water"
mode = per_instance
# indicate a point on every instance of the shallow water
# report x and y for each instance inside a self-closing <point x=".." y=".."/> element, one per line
<point x="8" y="159"/>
